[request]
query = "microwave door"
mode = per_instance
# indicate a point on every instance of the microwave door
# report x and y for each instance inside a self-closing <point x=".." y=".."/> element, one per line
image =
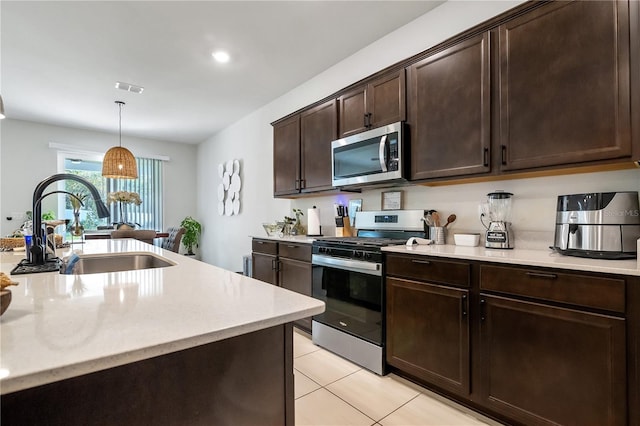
<point x="358" y="159"/>
<point x="382" y="151"/>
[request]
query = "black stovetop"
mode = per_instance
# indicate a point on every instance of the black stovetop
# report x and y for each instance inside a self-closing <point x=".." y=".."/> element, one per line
<point x="362" y="241"/>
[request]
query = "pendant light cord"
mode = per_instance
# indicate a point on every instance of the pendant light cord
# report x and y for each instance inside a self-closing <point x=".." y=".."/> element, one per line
<point x="120" y="103"/>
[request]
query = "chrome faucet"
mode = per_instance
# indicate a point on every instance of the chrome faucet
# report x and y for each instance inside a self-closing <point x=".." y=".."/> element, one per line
<point x="38" y="250"/>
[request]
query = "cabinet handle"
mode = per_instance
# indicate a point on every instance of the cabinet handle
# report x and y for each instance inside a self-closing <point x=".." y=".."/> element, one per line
<point x="259" y="242"/>
<point x="291" y="246"/>
<point x="295" y="184"/>
<point x="424" y="262"/>
<point x="541" y="275"/>
<point x="274" y="265"/>
<point x="369" y="115"/>
<point x="486" y="157"/>
<point x="366" y="120"/>
<point x="503" y="155"/>
<point x="483" y="307"/>
<point x="463" y="302"/>
<point x="302" y="184"/>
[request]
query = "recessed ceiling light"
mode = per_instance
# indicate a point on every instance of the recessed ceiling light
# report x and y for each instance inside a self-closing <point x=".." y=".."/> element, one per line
<point x="221" y="56"/>
<point x="129" y="87"/>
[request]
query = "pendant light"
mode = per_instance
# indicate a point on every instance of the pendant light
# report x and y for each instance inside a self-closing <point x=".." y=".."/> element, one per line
<point x="119" y="162"/>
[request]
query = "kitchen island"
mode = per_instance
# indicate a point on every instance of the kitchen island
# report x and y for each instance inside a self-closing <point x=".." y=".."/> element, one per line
<point x="185" y="344"/>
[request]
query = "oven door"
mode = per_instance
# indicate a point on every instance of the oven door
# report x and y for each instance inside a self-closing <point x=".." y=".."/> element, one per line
<point x="352" y="292"/>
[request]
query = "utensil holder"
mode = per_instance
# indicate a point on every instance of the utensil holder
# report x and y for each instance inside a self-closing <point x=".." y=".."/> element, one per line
<point x="437" y="234"/>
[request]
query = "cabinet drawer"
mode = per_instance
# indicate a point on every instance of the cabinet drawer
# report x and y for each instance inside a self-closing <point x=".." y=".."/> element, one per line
<point x="295" y="251"/>
<point x="581" y="290"/>
<point x="426" y="269"/>
<point x="264" y="246"/>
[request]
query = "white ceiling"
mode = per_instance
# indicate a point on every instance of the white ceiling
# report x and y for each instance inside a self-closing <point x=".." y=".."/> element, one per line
<point x="60" y="59"/>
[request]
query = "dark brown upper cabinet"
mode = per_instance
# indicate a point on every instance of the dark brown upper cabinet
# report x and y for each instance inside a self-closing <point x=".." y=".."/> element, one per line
<point x="286" y="156"/>
<point x="449" y="111"/>
<point x="302" y="150"/>
<point x="564" y="85"/>
<point x="318" y="128"/>
<point x="380" y="102"/>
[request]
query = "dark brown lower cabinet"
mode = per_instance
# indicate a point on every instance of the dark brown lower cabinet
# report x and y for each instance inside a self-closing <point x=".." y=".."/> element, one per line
<point x="264" y="268"/>
<point x="546" y="365"/>
<point x="428" y="332"/>
<point x="286" y="264"/>
<point x="295" y="275"/>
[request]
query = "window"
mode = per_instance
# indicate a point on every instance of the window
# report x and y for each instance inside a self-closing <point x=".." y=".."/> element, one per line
<point x="148" y="215"/>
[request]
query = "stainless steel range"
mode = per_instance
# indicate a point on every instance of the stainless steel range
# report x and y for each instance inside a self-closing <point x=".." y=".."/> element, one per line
<point x="348" y="275"/>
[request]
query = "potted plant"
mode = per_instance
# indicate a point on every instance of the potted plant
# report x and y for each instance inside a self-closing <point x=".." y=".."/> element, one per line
<point x="193" y="229"/>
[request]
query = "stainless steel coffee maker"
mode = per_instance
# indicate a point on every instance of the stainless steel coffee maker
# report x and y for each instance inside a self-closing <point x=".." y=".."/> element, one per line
<point x="497" y="209"/>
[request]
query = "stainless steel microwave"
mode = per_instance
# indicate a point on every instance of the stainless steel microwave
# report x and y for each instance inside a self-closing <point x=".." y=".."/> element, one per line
<point x="374" y="156"/>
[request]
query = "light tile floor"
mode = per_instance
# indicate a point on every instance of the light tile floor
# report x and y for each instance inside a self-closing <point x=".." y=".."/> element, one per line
<point x="330" y="390"/>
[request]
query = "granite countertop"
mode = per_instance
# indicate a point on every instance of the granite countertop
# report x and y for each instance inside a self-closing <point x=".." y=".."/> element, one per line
<point x="62" y="326"/>
<point x="524" y="257"/>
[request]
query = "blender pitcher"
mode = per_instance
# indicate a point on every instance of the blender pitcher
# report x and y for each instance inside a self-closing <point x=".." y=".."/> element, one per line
<point x="497" y="209"/>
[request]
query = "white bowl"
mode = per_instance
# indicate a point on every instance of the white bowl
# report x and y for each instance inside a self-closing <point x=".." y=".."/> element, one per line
<point x="470" y="240"/>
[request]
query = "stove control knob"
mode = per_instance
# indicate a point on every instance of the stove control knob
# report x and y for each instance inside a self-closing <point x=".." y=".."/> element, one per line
<point x="367" y="256"/>
<point x="328" y="250"/>
<point x="321" y="249"/>
<point x="357" y="254"/>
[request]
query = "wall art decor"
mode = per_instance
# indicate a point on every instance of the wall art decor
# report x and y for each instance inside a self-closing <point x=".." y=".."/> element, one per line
<point x="229" y="188"/>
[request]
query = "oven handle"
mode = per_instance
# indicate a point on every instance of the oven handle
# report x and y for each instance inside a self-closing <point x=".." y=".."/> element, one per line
<point x="369" y="268"/>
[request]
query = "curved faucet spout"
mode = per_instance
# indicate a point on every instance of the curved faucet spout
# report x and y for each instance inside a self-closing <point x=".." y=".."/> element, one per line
<point x="40" y="234"/>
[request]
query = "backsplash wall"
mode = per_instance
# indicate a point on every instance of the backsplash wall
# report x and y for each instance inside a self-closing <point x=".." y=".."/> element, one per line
<point x="533" y="208"/>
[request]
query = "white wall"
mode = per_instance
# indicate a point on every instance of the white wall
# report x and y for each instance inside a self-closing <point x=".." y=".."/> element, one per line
<point x="26" y="159"/>
<point x="226" y="239"/>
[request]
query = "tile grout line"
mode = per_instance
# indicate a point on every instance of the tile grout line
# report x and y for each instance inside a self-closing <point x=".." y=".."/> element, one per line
<point x="419" y="393"/>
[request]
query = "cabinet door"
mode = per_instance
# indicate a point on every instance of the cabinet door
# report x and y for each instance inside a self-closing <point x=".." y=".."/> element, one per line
<point x="386" y="100"/>
<point x="264" y="268"/>
<point x="548" y="365"/>
<point x="450" y="111"/>
<point x="564" y="85"/>
<point x="286" y="157"/>
<point x="318" y="129"/>
<point x="428" y="332"/>
<point x="296" y="276"/>
<point x="353" y="112"/>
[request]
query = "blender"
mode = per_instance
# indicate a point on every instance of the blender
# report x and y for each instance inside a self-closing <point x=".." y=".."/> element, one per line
<point x="497" y="209"/>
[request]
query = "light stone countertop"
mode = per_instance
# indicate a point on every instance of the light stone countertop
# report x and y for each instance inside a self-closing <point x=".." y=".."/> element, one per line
<point x="62" y="326"/>
<point x="524" y="257"/>
<point x="290" y="238"/>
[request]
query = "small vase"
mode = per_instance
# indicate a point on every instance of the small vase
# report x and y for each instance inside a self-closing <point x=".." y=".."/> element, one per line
<point x="76" y="228"/>
<point x="297" y="228"/>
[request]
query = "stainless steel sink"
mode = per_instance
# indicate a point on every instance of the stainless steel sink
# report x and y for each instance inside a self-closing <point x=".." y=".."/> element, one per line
<point x="99" y="263"/>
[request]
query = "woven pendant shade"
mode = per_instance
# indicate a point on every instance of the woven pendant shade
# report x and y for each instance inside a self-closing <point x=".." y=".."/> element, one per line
<point x="119" y="162"/>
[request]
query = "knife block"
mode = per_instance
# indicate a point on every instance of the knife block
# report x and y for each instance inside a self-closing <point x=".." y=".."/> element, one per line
<point x="346" y="230"/>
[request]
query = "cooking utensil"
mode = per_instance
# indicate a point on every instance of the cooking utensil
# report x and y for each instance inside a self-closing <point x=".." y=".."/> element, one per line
<point x="450" y="219"/>
<point x="436" y="218"/>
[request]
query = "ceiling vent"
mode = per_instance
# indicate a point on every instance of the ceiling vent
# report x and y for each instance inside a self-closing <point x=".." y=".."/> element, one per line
<point x="129" y="87"/>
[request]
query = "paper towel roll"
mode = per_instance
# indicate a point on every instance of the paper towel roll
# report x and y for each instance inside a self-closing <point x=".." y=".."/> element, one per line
<point x="313" y="225"/>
